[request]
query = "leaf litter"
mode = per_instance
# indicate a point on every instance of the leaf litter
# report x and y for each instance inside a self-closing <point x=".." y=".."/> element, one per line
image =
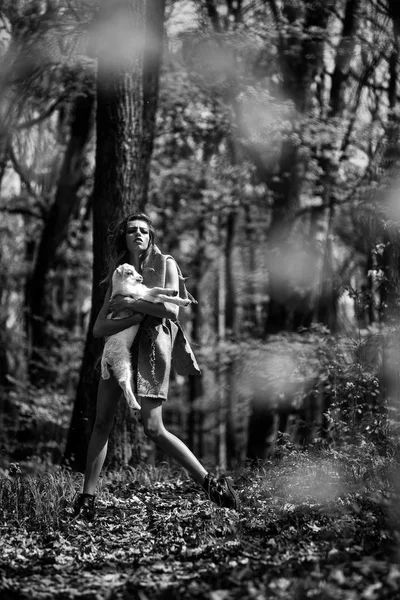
<point x="165" y="540"/>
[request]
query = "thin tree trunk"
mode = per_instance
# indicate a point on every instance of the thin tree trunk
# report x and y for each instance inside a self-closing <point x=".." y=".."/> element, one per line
<point x="326" y="296"/>
<point x="394" y="13"/>
<point x="286" y="191"/>
<point x="55" y="230"/>
<point x="4" y="295"/>
<point x="261" y="426"/>
<point x="221" y="367"/>
<point x="195" y="387"/>
<point x="230" y="324"/>
<point x="389" y="286"/>
<point x="325" y="300"/>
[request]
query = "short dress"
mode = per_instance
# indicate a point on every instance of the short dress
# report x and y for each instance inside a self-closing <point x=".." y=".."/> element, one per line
<point x="160" y="343"/>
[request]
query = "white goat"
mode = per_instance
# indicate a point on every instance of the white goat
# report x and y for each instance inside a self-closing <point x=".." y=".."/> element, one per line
<point x="126" y="281"/>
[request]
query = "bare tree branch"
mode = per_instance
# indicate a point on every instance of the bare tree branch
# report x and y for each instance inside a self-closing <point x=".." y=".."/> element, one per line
<point x="26" y="212"/>
<point x="20" y="170"/>
<point x="213" y="15"/>
<point x="42" y="117"/>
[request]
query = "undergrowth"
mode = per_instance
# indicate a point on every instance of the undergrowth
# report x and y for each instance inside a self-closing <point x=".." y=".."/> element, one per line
<point x="322" y="523"/>
<point x="315" y="475"/>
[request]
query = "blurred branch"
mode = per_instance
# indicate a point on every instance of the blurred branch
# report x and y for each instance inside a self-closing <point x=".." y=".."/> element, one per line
<point x="213" y="14"/>
<point x="278" y="23"/>
<point x="344" y="55"/>
<point x="352" y="193"/>
<point x="42" y="117"/>
<point x="20" y="170"/>
<point x="235" y="9"/>
<point x="22" y="211"/>
<point x="5" y="23"/>
<point x="362" y="83"/>
<point x="73" y="11"/>
<point x="394" y="14"/>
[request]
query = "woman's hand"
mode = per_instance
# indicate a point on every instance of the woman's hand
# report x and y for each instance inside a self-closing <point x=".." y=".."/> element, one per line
<point x="105" y="326"/>
<point x="137" y="318"/>
<point x="119" y="303"/>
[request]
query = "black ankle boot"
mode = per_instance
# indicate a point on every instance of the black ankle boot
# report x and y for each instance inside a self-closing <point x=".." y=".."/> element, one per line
<point x="84" y="506"/>
<point x="221" y="491"/>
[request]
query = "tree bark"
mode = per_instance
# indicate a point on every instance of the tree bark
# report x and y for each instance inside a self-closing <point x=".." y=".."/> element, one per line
<point x="344" y="56"/>
<point x="394" y="13"/>
<point x="155" y="10"/>
<point x="261" y="428"/>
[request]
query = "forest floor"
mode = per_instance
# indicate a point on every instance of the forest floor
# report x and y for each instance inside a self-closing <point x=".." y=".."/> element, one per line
<point x="321" y="525"/>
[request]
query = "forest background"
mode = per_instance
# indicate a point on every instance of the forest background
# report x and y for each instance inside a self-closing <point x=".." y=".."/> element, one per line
<point x="262" y="138"/>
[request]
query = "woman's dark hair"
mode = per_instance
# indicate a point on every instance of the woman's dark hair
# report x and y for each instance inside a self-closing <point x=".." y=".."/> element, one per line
<point x="117" y="253"/>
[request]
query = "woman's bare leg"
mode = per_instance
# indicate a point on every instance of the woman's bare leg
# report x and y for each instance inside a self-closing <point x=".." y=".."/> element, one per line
<point x="107" y="400"/>
<point x="154" y="428"/>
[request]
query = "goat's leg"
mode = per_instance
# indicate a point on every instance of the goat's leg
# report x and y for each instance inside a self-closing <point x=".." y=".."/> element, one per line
<point x="126" y="386"/>
<point x="122" y="368"/>
<point x="105" y="373"/>
<point x="173" y="300"/>
<point x="165" y="295"/>
<point x="165" y="291"/>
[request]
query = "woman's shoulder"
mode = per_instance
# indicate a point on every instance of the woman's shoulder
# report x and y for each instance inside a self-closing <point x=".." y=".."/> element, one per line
<point x="166" y="260"/>
<point x="157" y="254"/>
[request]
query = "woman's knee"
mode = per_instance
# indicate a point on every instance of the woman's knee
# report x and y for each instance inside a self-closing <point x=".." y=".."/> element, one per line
<point x="103" y="425"/>
<point x="152" y="421"/>
<point x="153" y="430"/>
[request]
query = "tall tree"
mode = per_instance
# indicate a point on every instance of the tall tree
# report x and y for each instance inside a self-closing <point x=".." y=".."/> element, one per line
<point x="325" y="301"/>
<point x="301" y="37"/>
<point x="127" y="36"/>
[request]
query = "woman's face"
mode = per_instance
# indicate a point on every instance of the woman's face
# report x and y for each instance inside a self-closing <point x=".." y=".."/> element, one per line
<point x="137" y="236"/>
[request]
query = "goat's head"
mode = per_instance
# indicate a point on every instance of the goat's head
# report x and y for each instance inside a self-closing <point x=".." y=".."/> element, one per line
<point x="128" y="272"/>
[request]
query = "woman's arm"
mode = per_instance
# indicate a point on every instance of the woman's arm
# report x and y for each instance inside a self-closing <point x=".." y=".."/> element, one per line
<point x="165" y="310"/>
<point x="104" y="327"/>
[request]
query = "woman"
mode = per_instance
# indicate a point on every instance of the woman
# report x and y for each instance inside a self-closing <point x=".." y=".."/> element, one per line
<point x="159" y="342"/>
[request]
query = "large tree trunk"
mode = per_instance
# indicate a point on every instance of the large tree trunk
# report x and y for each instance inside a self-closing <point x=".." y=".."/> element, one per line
<point x="121" y="176"/>
<point x="155" y="10"/>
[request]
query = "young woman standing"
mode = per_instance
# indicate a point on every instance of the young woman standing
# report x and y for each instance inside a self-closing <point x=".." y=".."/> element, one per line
<point x="160" y="341"/>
